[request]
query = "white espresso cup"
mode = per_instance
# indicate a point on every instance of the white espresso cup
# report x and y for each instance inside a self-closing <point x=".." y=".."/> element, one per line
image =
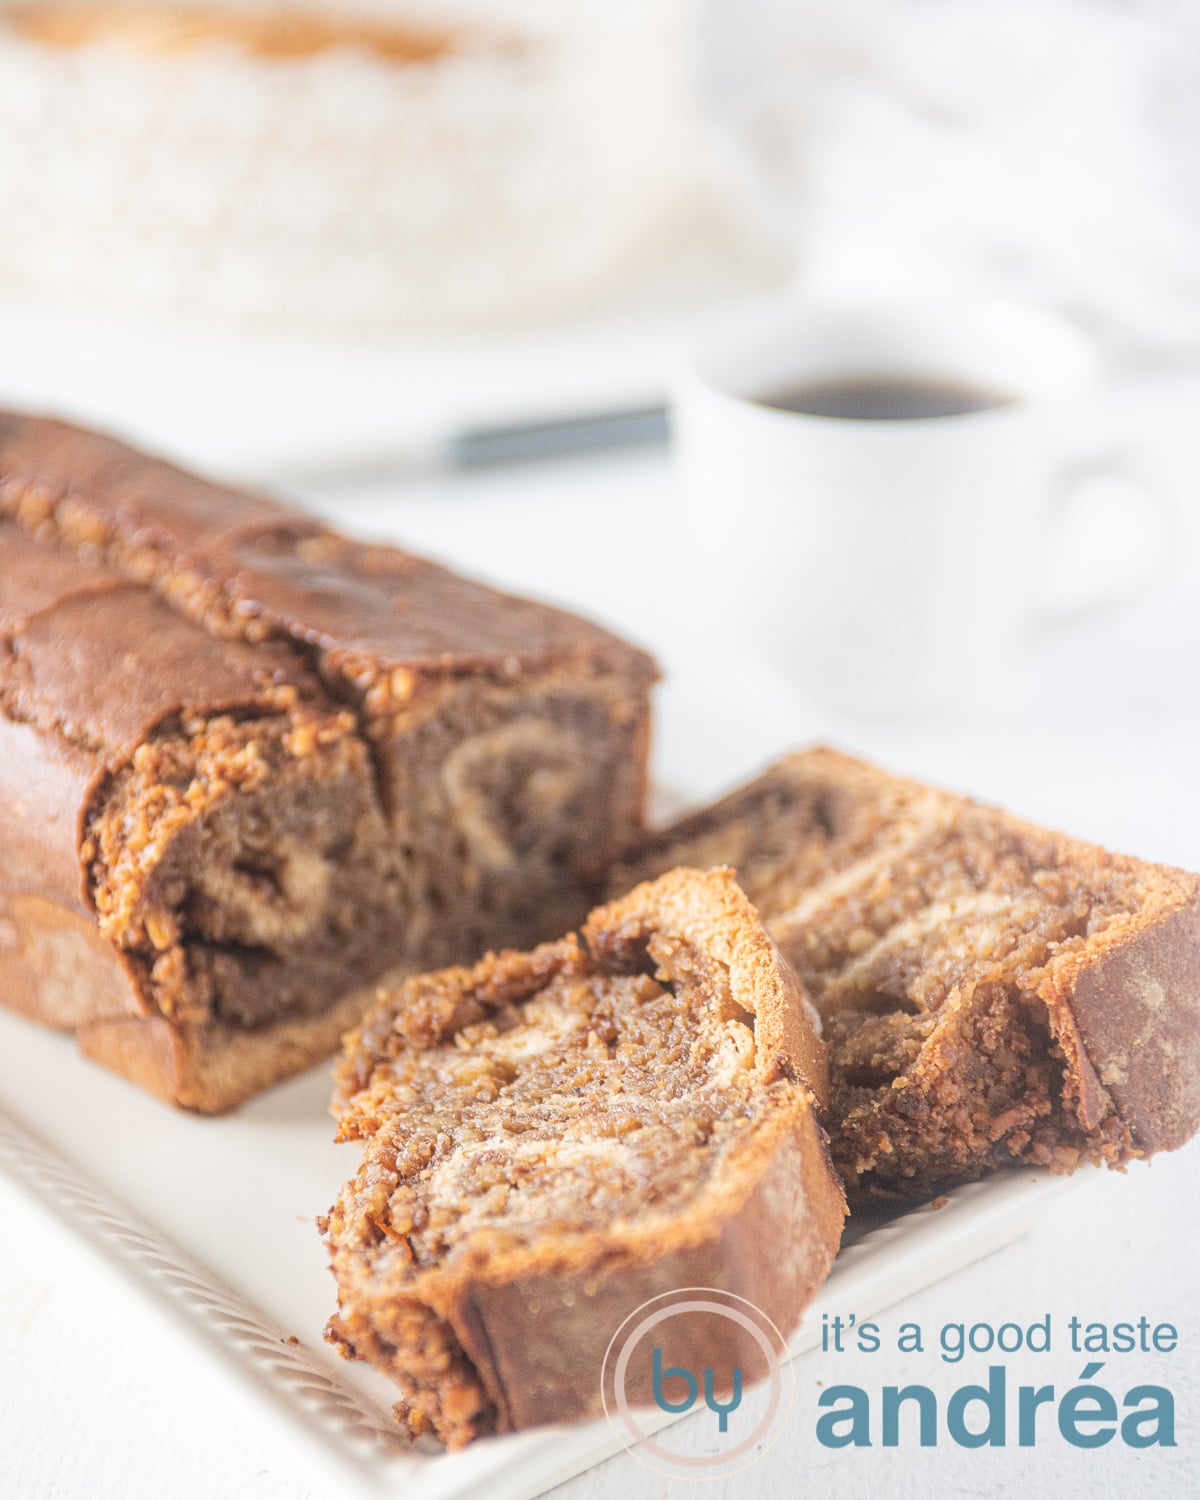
<point x="898" y="566"/>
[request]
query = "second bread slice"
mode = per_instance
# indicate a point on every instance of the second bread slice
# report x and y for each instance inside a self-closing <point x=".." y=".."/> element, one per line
<point x="552" y="1138"/>
<point x="993" y="992"/>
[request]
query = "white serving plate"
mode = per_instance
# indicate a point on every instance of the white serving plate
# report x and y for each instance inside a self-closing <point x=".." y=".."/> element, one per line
<point x="204" y="1230"/>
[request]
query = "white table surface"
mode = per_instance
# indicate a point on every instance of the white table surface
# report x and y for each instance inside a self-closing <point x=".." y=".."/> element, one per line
<point x="92" y="1407"/>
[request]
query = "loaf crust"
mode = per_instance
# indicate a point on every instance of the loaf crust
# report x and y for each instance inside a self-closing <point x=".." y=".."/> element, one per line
<point x="213" y="1068"/>
<point x="247" y="765"/>
<point x="500" y="1318"/>
<point x="993" y="992"/>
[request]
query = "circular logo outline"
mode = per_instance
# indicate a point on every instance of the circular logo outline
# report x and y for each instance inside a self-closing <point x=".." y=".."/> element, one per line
<point x="640" y="1444"/>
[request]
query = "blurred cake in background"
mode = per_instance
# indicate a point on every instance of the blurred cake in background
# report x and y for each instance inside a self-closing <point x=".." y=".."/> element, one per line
<point x="401" y="163"/>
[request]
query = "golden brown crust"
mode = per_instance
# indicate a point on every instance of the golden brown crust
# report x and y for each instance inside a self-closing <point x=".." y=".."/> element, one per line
<point x="1135" y="1007"/>
<point x="537" y="1334"/>
<point x="505" y="1324"/>
<point x="214" y="1068"/>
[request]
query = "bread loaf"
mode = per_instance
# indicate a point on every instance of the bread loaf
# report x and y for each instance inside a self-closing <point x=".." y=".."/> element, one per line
<point x="249" y="764"/>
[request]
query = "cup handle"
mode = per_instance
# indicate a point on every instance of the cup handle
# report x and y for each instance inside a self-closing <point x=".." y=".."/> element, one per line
<point x="1115" y="536"/>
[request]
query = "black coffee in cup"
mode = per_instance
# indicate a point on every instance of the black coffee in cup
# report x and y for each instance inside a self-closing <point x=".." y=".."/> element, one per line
<point x="885" y="398"/>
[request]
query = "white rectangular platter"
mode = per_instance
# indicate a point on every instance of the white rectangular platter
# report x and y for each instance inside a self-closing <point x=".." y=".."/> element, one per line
<point x="204" y="1228"/>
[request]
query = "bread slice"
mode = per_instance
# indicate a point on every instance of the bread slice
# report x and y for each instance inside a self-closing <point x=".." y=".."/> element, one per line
<point x="551" y="1138"/>
<point x="992" y="992"/>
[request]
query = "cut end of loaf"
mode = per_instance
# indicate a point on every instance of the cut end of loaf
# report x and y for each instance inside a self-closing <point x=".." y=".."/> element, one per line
<point x="242" y="867"/>
<point x="504" y="794"/>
